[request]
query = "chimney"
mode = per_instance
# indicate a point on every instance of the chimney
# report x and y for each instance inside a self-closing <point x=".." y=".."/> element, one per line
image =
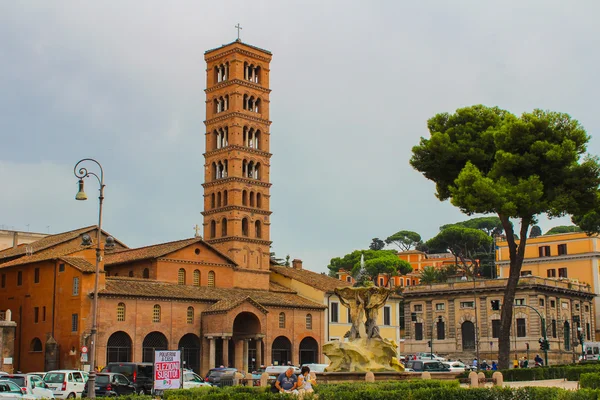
<point x="297" y="263"/>
<point x="15" y="239"/>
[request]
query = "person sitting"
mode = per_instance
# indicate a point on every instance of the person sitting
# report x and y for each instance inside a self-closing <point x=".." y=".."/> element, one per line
<point x="538" y="360"/>
<point x="494" y="366"/>
<point x="306" y="380"/>
<point x="287" y="382"/>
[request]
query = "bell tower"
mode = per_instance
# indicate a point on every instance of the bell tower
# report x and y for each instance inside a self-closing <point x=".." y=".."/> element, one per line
<point x="236" y="169"/>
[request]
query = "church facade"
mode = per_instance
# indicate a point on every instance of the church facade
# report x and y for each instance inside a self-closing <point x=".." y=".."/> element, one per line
<point x="213" y="298"/>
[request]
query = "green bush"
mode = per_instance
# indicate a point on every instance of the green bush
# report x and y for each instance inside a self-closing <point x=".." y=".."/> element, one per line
<point x="569" y="372"/>
<point x="590" y="380"/>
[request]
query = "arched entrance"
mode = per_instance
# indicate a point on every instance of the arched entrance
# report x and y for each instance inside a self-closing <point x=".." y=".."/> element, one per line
<point x="309" y="351"/>
<point x="468" y="335"/>
<point x="152" y="342"/>
<point x="281" y="351"/>
<point x="246" y="327"/>
<point x="567" y="335"/>
<point x="118" y="347"/>
<point x="190" y="351"/>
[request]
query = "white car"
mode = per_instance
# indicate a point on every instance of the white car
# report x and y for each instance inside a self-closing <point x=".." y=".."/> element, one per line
<point x="456" y="366"/>
<point x="430" y="356"/>
<point x="316" y="367"/>
<point x="11" y="391"/>
<point x="32" y="384"/>
<point x="191" y="380"/>
<point x="66" y="383"/>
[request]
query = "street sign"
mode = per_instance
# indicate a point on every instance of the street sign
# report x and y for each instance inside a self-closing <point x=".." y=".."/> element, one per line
<point x="84" y="349"/>
<point x="84" y="357"/>
<point x="167" y="369"/>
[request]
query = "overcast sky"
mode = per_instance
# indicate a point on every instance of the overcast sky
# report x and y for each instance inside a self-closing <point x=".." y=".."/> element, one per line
<point x="353" y="82"/>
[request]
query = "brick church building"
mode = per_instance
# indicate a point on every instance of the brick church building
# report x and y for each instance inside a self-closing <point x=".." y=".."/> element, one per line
<point x="214" y="298"/>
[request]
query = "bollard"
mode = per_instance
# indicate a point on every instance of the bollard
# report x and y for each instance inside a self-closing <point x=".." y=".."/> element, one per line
<point x="248" y="379"/>
<point x="481" y="378"/>
<point x="474" y="379"/>
<point x="369" y="377"/>
<point x="264" y="379"/>
<point x="498" y="378"/>
<point x="425" y="375"/>
<point x="237" y="378"/>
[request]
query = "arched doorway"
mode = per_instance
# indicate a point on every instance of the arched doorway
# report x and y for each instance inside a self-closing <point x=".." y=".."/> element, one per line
<point x="118" y="347"/>
<point x="468" y="335"/>
<point x="152" y="342"/>
<point x="567" y="335"/>
<point x="190" y="351"/>
<point x="309" y="351"/>
<point x="281" y="351"/>
<point x="246" y="326"/>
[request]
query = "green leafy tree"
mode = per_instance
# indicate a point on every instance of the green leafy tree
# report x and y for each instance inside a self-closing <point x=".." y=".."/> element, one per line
<point x="349" y="261"/>
<point x="429" y="275"/>
<point x="405" y="240"/>
<point x="287" y="260"/>
<point x="486" y="160"/>
<point x="377" y="244"/>
<point x="535" y="231"/>
<point x="563" y="229"/>
<point x="275" y="260"/>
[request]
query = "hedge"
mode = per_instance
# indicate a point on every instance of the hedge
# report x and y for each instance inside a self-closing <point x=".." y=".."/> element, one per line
<point x="590" y="380"/>
<point x="568" y="372"/>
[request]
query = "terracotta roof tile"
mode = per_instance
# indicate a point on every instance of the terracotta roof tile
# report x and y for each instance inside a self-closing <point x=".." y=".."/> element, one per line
<point x="47" y="254"/>
<point x="118" y="286"/>
<point x="310" y="278"/>
<point x="228" y="304"/>
<point x="276" y="287"/>
<point x="80" y="263"/>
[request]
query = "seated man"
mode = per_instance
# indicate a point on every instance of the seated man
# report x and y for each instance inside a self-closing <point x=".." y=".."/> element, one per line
<point x="287" y="381"/>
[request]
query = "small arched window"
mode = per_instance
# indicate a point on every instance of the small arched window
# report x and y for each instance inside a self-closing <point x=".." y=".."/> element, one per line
<point x="181" y="276"/>
<point x="219" y="199"/>
<point x="258" y="200"/>
<point x="121" y="312"/>
<point x="212" y="200"/>
<point x="213" y="229"/>
<point x="211" y="279"/>
<point x="308" y="321"/>
<point x="196" y="277"/>
<point x="282" y="320"/>
<point x="224" y="227"/>
<point x="36" y="345"/>
<point x="156" y="313"/>
<point x="245" y="227"/>
<point x="257" y="229"/>
<point x="244" y="198"/>
<point x="131" y="274"/>
<point x="251" y="199"/>
<point x="225" y="198"/>
<point x="146" y="273"/>
<point x="190" y="315"/>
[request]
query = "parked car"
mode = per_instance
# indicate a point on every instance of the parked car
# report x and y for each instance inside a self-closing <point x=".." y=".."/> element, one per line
<point x="32" y="384"/>
<point x="425" y="365"/>
<point x="457" y="366"/>
<point x="429" y="356"/>
<point x="192" y="380"/>
<point x="111" y="384"/>
<point x="11" y="391"/>
<point x="276" y="370"/>
<point x="214" y="375"/>
<point x="140" y="374"/>
<point x="65" y="383"/>
<point x="316" y="367"/>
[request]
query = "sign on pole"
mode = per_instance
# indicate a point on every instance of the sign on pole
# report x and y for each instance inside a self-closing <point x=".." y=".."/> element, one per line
<point x="167" y="369"/>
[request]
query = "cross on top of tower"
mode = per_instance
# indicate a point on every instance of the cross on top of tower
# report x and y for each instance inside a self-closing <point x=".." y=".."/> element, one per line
<point x="197" y="229"/>
<point x="238" y="27"/>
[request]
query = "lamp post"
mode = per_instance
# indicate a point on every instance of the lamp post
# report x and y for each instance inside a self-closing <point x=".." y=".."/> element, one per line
<point x="83" y="173"/>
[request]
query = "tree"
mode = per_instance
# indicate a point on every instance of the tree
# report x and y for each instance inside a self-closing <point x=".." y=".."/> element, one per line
<point x="489" y="161"/>
<point x="535" y="231"/>
<point x="388" y="264"/>
<point x="563" y="229"/>
<point x="405" y="240"/>
<point x="275" y="260"/>
<point x="464" y="244"/>
<point x="377" y="244"/>
<point x="351" y="260"/>
<point x="287" y="261"/>
<point x="428" y="275"/>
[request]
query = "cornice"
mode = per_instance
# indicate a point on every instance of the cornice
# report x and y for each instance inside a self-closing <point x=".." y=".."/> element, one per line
<point x="407" y="294"/>
<point x="234" y="147"/>
<point x="238" y="50"/>
<point x="237" y="179"/>
<point x="231" y="114"/>
<point x="238" y="208"/>
<point x="239" y="82"/>
<point x="208" y="264"/>
<point x="551" y="259"/>
<point x="238" y="239"/>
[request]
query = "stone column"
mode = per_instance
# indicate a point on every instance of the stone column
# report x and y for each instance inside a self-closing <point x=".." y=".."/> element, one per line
<point x="226" y="351"/>
<point x="258" y="352"/>
<point x="245" y="355"/>
<point x="211" y="352"/>
<point x="239" y="355"/>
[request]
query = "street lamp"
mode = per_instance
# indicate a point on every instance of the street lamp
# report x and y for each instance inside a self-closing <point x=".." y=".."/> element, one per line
<point x="83" y="173"/>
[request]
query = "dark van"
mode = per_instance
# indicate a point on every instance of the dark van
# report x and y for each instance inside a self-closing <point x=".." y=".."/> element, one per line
<point x="140" y="374"/>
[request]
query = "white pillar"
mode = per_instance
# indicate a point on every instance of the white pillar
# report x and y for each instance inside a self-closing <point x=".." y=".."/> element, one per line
<point x="211" y="352"/>
<point x="226" y="351"/>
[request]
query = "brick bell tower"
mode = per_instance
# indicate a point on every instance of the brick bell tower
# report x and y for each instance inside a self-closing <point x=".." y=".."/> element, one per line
<point x="236" y="170"/>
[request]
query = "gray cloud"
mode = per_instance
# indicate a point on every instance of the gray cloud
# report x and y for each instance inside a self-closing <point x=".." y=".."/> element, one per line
<point x="353" y="85"/>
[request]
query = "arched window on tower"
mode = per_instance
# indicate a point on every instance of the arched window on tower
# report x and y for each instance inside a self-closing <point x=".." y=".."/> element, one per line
<point x="196" y="277"/>
<point x="257" y="106"/>
<point x="224" y="227"/>
<point x="211" y="279"/>
<point x="250" y="172"/>
<point x="181" y="276"/>
<point x="212" y="201"/>
<point x="214" y="170"/>
<point x="245" y="227"/>
<point x="216" y="109"/>
<point x="226" y="102"/>
<point x="244" y="198"/>
<point x="257" y="171"/>
<point x="219" y="199"/>
<point x="225" y="198"/>
<point x="257" y="139"/>
<point x="258" y="200"/>
<point x="245" y="102"/>
<point x="213" y="229"/>
<point x="257" y="229"/>
<point x="251" y="199"/>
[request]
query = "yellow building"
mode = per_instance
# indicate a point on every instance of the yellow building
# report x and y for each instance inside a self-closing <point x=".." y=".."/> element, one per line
<point x="320" y="288"/>
<point x="570" y="257"/>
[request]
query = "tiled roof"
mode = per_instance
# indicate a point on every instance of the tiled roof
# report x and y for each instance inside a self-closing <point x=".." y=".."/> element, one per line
<point x="80" y="263"/>
<point x="276" y="287"/>
<point x="47" y="254"/>
<point x="44" y="243"/>
<point x="228" y="304"/>
<point x="313" y="279"/>
<point x="155" y="251"/>
<point x="118" y="286"/>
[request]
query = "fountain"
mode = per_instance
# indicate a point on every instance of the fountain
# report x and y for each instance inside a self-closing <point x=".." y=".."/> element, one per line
<point x="364" y="349"/>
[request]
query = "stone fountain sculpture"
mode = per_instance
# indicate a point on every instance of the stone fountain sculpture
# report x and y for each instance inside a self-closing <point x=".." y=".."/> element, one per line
<point x="364" y="350"/>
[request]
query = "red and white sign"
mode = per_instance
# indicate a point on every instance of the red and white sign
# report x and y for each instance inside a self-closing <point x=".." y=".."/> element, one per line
<point x="84" y="349"/>
<point x="167" y="369"/>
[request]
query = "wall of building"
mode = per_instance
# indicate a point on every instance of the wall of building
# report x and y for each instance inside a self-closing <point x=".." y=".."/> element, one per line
<point x="9" y="238"/>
